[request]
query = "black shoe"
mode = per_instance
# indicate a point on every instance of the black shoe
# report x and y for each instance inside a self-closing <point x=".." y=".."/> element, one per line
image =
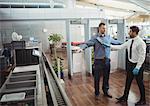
<point x="141" y="102"/>
<point x="122" y="99"/>
<point x="107" y="95"/>
<point x="97" y="97"/>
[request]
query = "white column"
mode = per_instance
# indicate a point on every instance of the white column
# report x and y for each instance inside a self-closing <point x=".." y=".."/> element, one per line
<point x="88" y="51"/>
<point x="69" y="51"/>
<point x="121" y="37"/>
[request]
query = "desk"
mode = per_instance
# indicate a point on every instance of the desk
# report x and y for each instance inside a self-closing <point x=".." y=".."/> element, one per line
<point x="24" y="57"/>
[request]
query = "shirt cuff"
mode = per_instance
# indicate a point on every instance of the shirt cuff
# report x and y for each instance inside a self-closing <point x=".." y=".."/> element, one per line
<point x="138" y="67"/>
<point x="83" y="46"/>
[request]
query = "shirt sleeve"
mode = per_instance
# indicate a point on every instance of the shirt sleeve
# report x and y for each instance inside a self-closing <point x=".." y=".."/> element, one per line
<point x="118" y="47"/>
<point x="142" y="54"/>
<point x="89" y="43"/>
<point x="115" y="42"/>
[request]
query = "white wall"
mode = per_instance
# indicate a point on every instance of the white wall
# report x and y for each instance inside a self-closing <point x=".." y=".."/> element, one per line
<point x="35" y="29"/>
<point x="56" y="27"/>
<point x="94" y="23"/>
<point x="77" y="33"/>
<point x="32" y="28"/>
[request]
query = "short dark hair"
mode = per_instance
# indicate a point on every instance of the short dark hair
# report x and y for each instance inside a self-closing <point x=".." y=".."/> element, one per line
<point x="135" y="29"/>
<point x="101" y="24"/>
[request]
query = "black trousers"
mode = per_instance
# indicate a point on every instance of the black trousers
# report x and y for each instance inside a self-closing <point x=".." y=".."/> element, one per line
<point x="101" y="66"/>
<point x="139" y="80"/>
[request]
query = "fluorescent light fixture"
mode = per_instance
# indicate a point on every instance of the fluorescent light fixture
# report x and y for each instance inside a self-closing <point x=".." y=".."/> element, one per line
<point x="45" y="30"/>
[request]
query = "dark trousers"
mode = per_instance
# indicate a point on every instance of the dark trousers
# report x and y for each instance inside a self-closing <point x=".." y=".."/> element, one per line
<point x="101" y="66"/>
<point x="139" y="80"/>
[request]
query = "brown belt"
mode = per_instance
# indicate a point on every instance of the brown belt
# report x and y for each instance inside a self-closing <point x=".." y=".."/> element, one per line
<point x="103" y="59"/>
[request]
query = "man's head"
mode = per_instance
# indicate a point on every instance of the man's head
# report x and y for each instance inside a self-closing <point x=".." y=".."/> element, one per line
<point x="134" y="30"/>
<point x="102" y="28"/>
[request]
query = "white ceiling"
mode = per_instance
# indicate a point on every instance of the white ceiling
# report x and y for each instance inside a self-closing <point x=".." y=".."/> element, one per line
<point x="110" y="8"/>
<point x="119" y="8"/>
<point x="135" y="5"/>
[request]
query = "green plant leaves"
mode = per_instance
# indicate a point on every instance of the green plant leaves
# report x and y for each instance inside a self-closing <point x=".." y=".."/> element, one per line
<point x="55" y="65"/>
<point x="55" y="38"/>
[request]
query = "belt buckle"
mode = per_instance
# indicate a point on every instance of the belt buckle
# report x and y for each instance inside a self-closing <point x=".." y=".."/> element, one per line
<point x="103" y="59"/>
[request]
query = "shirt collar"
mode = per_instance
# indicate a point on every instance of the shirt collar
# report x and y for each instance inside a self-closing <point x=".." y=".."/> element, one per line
<point x="101" y="35"/>
<point x="135" y="38"/>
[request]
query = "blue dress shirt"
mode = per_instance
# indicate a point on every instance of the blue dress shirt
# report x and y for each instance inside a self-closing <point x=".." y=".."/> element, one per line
<point x="101" y="46"/>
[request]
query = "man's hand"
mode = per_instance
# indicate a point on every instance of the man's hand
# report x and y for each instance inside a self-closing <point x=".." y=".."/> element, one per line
<point x="79" y="50"/>
<point x="135" y="71"/>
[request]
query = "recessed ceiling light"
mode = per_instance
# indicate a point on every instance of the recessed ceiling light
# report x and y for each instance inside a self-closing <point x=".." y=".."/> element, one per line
<point x="107" y="0"/>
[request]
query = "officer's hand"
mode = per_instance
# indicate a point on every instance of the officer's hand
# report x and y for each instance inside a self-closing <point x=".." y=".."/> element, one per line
<point x="135" y="71"/>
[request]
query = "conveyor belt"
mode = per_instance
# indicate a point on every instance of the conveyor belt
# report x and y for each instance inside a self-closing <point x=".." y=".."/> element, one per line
<point x="58" y="94"/>
<point x="20" y="82"/>
<point x="33" y="82"/>
<point x="56" y="91"/>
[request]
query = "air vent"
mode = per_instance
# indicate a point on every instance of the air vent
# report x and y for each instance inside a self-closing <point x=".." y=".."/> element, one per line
<point x="17" y="6"/>
<point x="4" y="6"/>
<point x="29" y="6"/>
<point x="44" y="6"/>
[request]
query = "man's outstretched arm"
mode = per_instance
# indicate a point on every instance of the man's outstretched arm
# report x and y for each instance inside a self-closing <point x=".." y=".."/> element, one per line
<point x="87" y="44"/>
<point x="118" y="47"/>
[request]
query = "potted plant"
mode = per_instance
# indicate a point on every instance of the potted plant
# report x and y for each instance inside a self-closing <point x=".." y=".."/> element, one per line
<point x="55" y="40"/>
<point x="55" y="67"/>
